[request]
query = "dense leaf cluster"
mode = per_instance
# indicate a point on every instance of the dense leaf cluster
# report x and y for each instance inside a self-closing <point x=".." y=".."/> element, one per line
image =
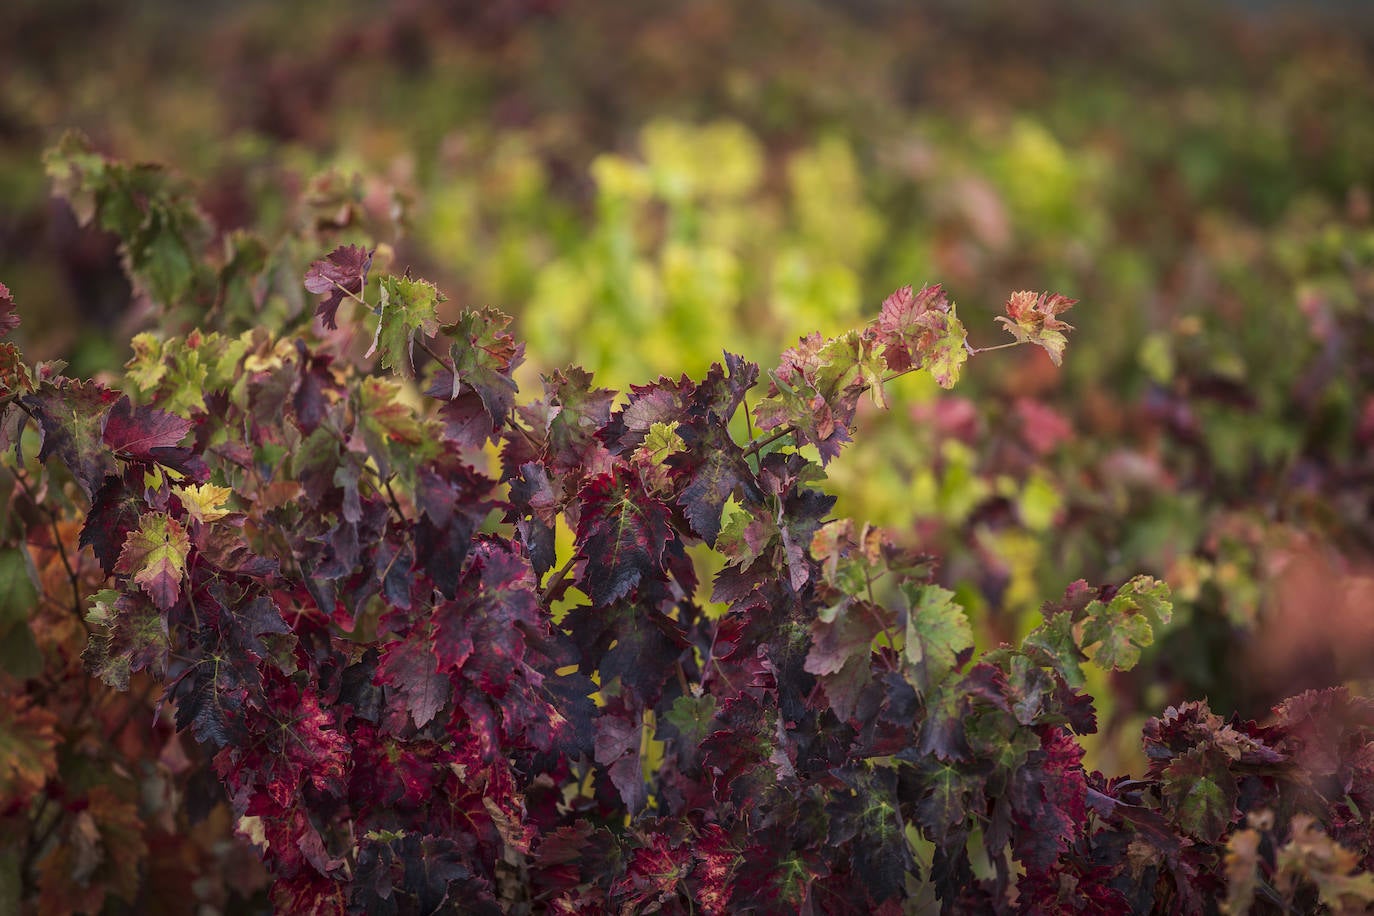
<point x="453" y="651"/>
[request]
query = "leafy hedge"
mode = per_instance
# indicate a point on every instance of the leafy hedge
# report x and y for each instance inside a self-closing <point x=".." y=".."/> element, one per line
<point x="451" y="651"/>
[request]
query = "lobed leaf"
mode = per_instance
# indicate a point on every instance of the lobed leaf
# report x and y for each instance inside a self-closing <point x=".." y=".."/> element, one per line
<point x="154" y="557"/>
<point x="407" y="308"/>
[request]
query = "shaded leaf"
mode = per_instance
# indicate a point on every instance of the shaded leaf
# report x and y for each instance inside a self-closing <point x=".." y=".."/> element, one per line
<point x="28" y="743"/>
<point x="72" y="415"/>
<point x="128" y="634"/>
<point x="1201" y="794"/>
<point x="139" y="432"/>
<point x="412" y="670"/>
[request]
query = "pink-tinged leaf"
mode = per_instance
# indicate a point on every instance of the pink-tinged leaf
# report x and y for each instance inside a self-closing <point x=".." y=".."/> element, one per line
<point x="1049" y="799"/>
<point x="909" y="322"/>
<point x="920" y="330"/>
<point x="484" y="627"/>
<point x="154" y="556"/>
<point x="842" y="633"/>
<point x="817" y="386"/>
<point x="135" y="432"/>
<point x="343" y="272"/>
<point x="713" y="876"/>
<point x="617" y="746"/>
<point x="8" y="319"/>
<point x="315" y="755"/>
<point x="411" y="668"/>
<point x="1033" y="318"/>
<point x="15" y="377"/>
<point x="484" y="357"/>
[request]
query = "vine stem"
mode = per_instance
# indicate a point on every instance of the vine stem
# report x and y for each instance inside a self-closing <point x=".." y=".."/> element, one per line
<point x="61" y="548"/>
<point x="973" y="351"/>
<point x="757" y="445"/>
<point x="556" y="580"/>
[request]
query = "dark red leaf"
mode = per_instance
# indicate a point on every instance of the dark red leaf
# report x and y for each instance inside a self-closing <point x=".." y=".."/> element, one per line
<point x="410" y="668"/>
<point x="343" y="272"/>
<point x="136" y="432"/>
<point x="622" y="533"/>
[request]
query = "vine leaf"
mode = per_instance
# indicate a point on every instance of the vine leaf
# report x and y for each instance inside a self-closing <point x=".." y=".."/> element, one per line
<point x="72" y="415"/>
<point x="343" y="272"/>
<point x="623" y="533"/>
<point x="937" y="629"/>
<point x="204" y="502"/>
<point x="154" y="556"/>
<point x="142" y="433"/>
<point x="1115" y="632"/>
<point x="28" y="743"/>
<point x="1033" y="318"/>
<point x="920" y="330"/>
<point x="407" y="307"/>
<point x="484" y="359"/>
<point x="127" y="634"/>
<point x="1201" y="793"/>
<point x="9" y="320"/>
<point x="411" y="668"/>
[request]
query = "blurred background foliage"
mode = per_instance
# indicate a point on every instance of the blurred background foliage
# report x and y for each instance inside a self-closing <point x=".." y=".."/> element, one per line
<point x="644" y="185"/>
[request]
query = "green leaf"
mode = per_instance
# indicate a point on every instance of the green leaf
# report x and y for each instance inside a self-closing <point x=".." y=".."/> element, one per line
<point x="145" y="368"/>
<point x="1053" y="644"/>
<point x="947" y="352"/>
<point x="127" y="634"/>
<point x="937" y="629"/>
<point x="1114" y="633"/>
<point x="181" y="371"/>
<point x="1201" y="794"/>
<point x="407" y="307"/>
<point x="19" y="655"/>
<point x="661" y="442"/>
<point x="692" y="716"/>
<point x="160" y="227"/>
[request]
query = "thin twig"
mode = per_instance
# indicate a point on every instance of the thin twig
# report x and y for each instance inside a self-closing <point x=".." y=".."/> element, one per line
<point x="556" y="580"/>
<point x="47" y="510"/>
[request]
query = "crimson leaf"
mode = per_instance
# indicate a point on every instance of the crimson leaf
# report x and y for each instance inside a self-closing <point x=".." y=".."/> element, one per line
<point x="622" y="533"/>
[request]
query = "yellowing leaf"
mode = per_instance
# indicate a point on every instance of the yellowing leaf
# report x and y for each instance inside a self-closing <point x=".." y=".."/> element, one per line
<point x="204" y="502"/>
<point x="155" y="557"/>
<point x="28" y="737"/>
